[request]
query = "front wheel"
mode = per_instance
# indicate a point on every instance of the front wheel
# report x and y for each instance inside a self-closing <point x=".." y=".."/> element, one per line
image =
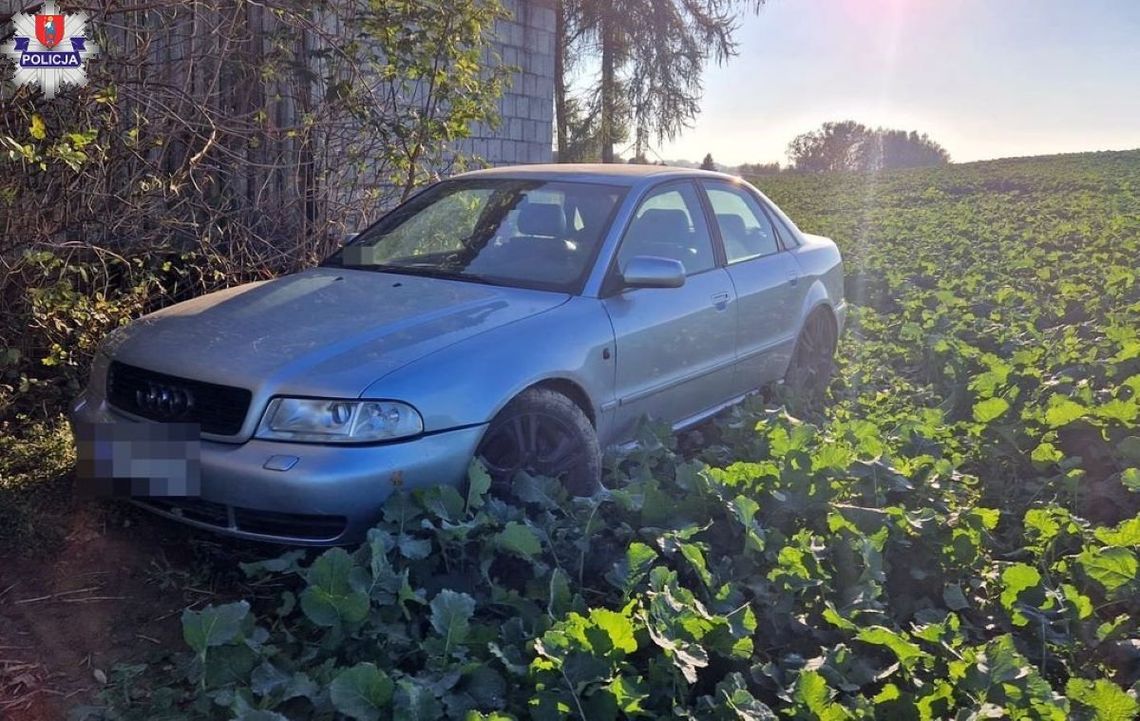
<point x="813" y="361"/>
<point x="543" y="433"/>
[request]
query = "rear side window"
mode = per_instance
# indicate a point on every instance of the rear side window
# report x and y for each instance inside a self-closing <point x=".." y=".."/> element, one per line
<point x="744" y="226"/>
<point x="788" y="234"/>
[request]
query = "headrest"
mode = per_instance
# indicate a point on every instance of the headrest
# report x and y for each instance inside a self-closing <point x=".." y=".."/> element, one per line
<point x="731" y="225"/>
<point x="541" y="219"/>
<point x="662" y="224"/>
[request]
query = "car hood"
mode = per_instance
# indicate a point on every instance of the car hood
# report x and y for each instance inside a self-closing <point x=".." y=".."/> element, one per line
<point x="322" y="332"/>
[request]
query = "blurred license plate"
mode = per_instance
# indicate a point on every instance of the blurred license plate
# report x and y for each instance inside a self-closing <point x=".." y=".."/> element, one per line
<point x="139" y="460"/>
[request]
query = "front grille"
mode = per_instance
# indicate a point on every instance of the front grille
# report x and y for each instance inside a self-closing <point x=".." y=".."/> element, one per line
<point x="209" y="512"/>
<point x="215" y="408"/>
<point x="293" y="525"/>
<point x="267" y="523"/>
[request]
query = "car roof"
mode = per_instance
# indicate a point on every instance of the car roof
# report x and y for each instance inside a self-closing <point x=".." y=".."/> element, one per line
<point x="605" y="173"/>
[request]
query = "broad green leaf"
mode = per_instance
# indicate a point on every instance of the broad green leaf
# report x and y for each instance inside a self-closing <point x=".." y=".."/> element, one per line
<point x="546" y="493"/>
<point x="618" y="629"/>
<point x="1080" y="603"/>
<point x="267" y="679"/>
<point x="285" y="563"/>
<point x="415" y="702"/>
<point x="227" y="665"/>
<point x="989" y="517"/>
<point x="444" y="502"/>
<point x="733" y="695"/>
<point x="1131" y="479"/>
<point x="330" y="599"/>
<point x="560" y="598"/>
<point x="631" y="568"/>
<point x="478" y="483"/>
<point x="831" y="455"/>
<point x="1042" y="525"/>
<point x="1118" y="410"/>
<point x="628" y="694"/>
<point x="519" y="539"/>
<point x="1126" y="533"/>
<point x="696" y="559"/>
<point x="990" y="409"/>
<point x="1063" y="411"/>
<point x="832" y="616"/>
<point x="413" y="548"/>
<point x="451" y="614"/>
<point x="361" y="692"/>
<point x="1111" y="567"/>
<point x="1046" y="453"/>
<point x="1105" y="699"/>
<point x="213" y="625"/>
<point x="906" y="650"/>
<point x="813" y="694"/>
<point x="1015" y="579"/>
<point x="745" y="509"/>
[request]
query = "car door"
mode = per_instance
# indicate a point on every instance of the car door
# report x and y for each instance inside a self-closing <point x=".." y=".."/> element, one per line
<point x="675" y="347"/>
<point x="766" y="279"/>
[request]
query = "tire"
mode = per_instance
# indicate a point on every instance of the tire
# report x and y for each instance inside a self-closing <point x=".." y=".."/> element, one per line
<point x="813" y="360"/>
<point x="545" y="433"/>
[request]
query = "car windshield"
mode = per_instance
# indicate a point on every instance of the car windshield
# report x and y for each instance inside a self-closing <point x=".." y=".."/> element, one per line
<point x="526" y="233"/>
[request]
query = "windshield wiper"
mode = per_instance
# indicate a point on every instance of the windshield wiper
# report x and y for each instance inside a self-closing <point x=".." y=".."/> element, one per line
<point x="425" y="270"/>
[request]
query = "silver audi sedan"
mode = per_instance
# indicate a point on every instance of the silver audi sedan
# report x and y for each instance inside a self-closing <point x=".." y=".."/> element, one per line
<point x="525" y="316"/>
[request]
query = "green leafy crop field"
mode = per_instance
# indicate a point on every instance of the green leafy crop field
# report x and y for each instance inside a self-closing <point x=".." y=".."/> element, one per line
<point x="954" y="535"/>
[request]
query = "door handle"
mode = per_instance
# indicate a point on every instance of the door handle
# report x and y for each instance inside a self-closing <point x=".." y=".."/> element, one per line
<point x="793" y="276"/>
<point x="720" y="300"/>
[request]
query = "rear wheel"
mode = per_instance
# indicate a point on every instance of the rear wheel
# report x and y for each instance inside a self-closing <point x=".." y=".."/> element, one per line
<point x="543" y="433"/>
<point x="813" y="361"/>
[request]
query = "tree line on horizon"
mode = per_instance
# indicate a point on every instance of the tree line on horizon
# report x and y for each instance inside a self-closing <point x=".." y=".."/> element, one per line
<point x="835" y="147"/>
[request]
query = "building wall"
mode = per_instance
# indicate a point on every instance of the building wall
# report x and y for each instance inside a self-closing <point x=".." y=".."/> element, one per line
<point x="524" y="133"/>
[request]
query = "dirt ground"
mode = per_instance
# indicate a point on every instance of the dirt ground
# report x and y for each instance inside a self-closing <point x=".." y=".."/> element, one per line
<point x="111" y="593"/>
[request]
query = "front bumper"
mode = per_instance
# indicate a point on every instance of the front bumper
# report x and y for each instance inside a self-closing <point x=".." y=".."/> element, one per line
<point x="328" y="495"/>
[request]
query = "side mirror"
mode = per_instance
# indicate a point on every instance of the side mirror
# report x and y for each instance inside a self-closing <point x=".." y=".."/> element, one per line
<point x="648" y="271"/>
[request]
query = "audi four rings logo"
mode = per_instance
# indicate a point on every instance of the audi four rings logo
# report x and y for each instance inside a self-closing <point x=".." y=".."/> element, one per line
<point x="169" y="401"/>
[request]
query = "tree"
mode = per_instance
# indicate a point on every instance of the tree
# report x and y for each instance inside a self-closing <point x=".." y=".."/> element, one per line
<point x="902" y="149"/>
<point x="707" y="163"/>
<point x="651" y="53"/>
<point x="835" y="146"/>
<point x="751" y="170"/>
<point x="848" y="145"/>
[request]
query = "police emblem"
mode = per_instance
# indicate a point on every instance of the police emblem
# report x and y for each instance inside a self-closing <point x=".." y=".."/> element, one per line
<point x="50" y="48"/>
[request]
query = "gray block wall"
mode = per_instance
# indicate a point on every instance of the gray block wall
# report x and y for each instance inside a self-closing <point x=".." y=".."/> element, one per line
<point x="525" y="130"/>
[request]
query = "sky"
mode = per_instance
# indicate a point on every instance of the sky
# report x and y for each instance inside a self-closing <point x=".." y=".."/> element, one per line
<point x="984" y="78"/>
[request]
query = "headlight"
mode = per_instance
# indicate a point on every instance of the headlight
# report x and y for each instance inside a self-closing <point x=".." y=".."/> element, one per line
<point x="338" y="421"/>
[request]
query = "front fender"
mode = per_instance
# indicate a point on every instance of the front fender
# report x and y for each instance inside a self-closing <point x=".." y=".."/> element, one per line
<point x="468" y="383"/>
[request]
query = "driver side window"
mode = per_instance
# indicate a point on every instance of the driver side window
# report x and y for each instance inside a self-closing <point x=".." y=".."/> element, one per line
<point x="670" y="223"/>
